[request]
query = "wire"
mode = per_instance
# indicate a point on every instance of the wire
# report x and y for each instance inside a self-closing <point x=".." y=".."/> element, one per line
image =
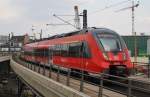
<point x="65" y="15"/>
<point x="130" y="7"/>
<point x="64" y="21"/>
<point x="110" y="6"/>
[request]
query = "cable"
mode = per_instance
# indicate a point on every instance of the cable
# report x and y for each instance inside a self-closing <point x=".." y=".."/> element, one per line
<point x="64" y="21"/>
<point x="110" y="6"/>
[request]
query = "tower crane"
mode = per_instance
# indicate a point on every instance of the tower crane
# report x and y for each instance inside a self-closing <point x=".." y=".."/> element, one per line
<point x="133" y="25"/>
<point x="133" y="14"/>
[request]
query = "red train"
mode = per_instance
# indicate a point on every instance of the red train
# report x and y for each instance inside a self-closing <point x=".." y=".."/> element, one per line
<point x="94" y="50"/>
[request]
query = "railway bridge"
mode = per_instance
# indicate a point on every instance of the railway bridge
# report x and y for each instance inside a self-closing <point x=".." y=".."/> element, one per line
<point x="44" y="81"/>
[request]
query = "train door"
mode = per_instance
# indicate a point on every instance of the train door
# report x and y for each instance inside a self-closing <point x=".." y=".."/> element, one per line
<point x="33" y="55"/>
<point x="82" y="60"/>
<point x="50" y="54"/>
<point x="86" y="56"/>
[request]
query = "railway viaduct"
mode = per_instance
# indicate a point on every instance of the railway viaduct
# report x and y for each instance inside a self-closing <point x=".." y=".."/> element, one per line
<point x="42" y="85"/>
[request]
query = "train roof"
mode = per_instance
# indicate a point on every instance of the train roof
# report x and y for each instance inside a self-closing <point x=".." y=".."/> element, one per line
<point x="91" y="29"/>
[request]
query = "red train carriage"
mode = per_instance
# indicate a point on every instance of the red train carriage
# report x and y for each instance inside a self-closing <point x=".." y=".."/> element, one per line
<point x="95" y="50"/>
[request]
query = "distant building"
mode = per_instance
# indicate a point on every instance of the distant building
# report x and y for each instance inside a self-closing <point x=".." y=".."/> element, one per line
<point x="142" y="44"/>
<point x="3" y="39"/>
<point x="15" y="43"/>
<point x="148" y="46"/>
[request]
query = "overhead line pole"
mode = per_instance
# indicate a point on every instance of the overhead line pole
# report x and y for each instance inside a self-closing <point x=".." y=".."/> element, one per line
<point x="85" y="19"/>
<point x="77" y="19"/>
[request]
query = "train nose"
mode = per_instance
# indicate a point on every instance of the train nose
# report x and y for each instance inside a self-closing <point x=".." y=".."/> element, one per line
<point x="119" y="56"/>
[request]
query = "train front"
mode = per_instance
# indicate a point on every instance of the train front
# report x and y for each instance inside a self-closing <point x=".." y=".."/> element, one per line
<point x="115" y="58"/>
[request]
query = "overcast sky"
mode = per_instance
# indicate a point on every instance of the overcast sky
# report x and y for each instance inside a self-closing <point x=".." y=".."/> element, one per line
<point x="18" y="16"/>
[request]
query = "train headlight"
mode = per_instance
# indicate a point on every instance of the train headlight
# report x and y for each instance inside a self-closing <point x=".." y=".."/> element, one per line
<point x="105" y="56"/>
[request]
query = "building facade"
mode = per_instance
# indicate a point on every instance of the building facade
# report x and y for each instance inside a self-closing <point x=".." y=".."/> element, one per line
<point x="15" y="43"/>
<point x="141" y="44"/>
<point x="3" y="41"/>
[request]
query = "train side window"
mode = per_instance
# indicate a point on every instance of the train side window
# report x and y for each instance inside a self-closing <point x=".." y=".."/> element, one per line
<point x="75" y="49"/>
<point x="29" y="53"/>
<point x="57" y="50"/>
<point x="64" y="50"/>
<point x="54" y="50"/>
<point x="79" y="49"/>
<point x="41" y="52"/>
<point x="36" y="53"/>
<point x="46" y="52"/>
<point x="51" y="51"/>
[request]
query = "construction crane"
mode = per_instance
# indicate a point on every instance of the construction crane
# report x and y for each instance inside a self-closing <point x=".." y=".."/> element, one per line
<point x="133" y="14"/>
<point x="133" y="25"/>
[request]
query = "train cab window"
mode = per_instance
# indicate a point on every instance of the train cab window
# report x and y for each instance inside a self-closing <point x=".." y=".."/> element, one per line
<point x="110" y="42"/>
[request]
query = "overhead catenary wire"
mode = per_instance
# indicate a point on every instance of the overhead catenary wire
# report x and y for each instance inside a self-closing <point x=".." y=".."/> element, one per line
<point x="108" y="7"/>
<point x="105" y="8"/>
<point x="64" y="21"/>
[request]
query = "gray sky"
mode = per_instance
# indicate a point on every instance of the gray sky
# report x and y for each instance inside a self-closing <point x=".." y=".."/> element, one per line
<point x="18" y="16"/>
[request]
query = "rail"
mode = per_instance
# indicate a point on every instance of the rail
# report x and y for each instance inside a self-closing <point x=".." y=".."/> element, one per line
<point x="84" y="83"/>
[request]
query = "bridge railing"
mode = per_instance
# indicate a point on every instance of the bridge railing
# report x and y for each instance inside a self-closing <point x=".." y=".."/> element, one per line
<point x="99" y="83"/>
<point x="141" y="68"/>
<point x="4" y="54"/>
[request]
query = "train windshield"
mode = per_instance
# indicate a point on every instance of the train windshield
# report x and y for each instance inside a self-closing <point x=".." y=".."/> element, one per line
<point x="110" y="42"/>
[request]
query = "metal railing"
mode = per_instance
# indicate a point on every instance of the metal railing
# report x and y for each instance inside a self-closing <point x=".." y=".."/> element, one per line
<point x="4" y="54"/>
<point x="85" y="82"/>
<point x="141" y="68"/>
